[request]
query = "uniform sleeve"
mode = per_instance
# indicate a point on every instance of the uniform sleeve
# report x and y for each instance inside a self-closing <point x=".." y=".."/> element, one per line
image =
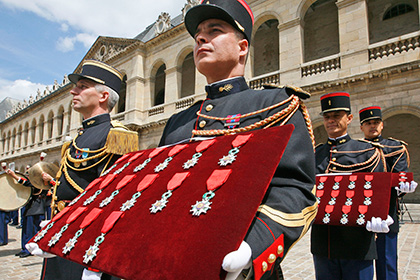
<point x="398" y="159"/>
<point x="289" y="206"/>
<point x="24" y="182"/>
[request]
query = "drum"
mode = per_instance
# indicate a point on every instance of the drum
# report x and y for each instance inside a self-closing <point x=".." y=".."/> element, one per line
<point x="35" y="174"/>
<point x="12" y="194"/>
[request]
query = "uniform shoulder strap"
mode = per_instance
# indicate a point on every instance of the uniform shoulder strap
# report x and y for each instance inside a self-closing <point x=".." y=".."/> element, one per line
<point x="302" y="94"/>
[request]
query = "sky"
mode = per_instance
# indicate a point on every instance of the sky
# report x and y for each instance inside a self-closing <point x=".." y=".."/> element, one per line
<point x="43" y="40"/>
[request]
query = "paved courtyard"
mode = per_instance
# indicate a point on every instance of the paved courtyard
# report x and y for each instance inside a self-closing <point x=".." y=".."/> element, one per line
<point x="296" y="266"/>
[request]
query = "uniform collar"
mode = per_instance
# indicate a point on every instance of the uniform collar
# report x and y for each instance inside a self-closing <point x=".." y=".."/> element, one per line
<point x="338" y="141"/>
<point x="377" y="139"/>
<point x="226" y="87"/>
<point x="96" y="120"/>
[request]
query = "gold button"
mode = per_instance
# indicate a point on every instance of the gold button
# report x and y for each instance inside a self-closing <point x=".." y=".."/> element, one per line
<point x="264" y="266"/>
<point x="209" y="107"/>
<point x="334" y="168"/>
<point x="203" y="124"/>
<point x="279" y="250"/>
<point x="333" y="159"/>
<point x="271" y="258"/>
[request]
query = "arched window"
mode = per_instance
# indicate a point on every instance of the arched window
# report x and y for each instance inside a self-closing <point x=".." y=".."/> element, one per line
<point x="13" y="139"/>
<point x="25" y="134"/>
<point x="188" y="76"/>
<point x="60" y="120"/>
<point x="321" y="38"/>
<point x="123" y="94"/>
<point x="50" y="124"/>
<point x="266" y="48"/>
<point x="19" y="137"/>
<point x="33" y="131"/>
<point x="41" y="128"/>
<point x="159" y="94"/>
<point x="397" y="11"/>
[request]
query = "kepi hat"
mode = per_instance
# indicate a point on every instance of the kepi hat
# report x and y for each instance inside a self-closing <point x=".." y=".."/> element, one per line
<point x="235" y="12"/>
<point x="99" y="72"/>
<point x="370" y="113"/>
<point x="335" y="101"/>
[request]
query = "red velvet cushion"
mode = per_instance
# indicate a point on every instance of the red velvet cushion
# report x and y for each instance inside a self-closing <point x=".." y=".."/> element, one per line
<point x="335" y="211"/>
<point x="174" y="244"/>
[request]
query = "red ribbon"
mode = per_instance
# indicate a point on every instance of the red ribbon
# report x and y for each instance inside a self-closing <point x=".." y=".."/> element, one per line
<point x="177" y="149"/>
<point x="61" y="213"/>
<point x="146" y="182"/>
<point x="93" y="183"/>
<point x="319" y="193"/>
<point x="122" y="158"/>
<point x="204" y="145"/>
<point x="177" y="180"/>
<point x="127" y="179"/>
<point x="108" y="180"/>
<point x="338" y="178"/>
<point x="155" y="152"/>
<point x="76" y="213"/>
<point x="241" y="139"/>
<point x="346" y="209"/>
<point x="136" y="156"/>
<point x="368" y="178"/>
<point x="368" y="193"/>
<point x="111" y="220"/>
<point x="329" y="208"/>
<point x="363" y="209"/>
<point x="335" y="193"/>
<point x="322" y="179"/>
<point x="90" y="217"/>
<point x="350" y="193"/>
<point x="218" y="178"/>
<point x="353" y="178"/>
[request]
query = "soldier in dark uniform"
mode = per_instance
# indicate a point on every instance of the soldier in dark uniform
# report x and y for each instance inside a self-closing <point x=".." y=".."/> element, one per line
<point x="95" y="148"/>
<point x="222" y="31"/>
<point x="343" y="252"/>
<point x="396" y="156"/>
<point x="33" y="215"/>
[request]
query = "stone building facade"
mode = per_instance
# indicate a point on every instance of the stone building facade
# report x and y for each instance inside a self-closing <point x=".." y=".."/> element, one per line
<point x="369" y="48"/>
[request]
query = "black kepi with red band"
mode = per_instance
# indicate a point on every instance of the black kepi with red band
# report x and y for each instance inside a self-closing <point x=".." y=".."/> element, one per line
<point x="370" y="113"/>
<point x="99" y="72"/>
<point x="235" y="12"/>
<point x="335" y="101"/>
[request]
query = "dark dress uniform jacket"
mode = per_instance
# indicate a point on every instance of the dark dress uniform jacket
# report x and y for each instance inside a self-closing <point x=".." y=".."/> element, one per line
<point x="290" y="192"/>
<point x="396" y="161"/>
<point x="344" y="242"/>
<point x="93" y="136"/>
<point x="36" y="204"/>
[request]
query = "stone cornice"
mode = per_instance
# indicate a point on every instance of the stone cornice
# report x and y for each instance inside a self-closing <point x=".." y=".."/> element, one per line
<point x="345" y="3"/>
<point x="289" y="24"/>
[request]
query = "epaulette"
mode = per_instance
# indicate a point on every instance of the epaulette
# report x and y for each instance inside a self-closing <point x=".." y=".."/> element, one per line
<point x="290" y="90"/>
<point x="121" y="140"/>
<point x="375" y="144"/>
<point x="401" y="141"/>
<point x="64" y="148"/>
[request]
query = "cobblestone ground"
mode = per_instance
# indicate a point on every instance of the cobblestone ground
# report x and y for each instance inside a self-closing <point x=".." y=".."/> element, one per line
<point x="297" y="265"/>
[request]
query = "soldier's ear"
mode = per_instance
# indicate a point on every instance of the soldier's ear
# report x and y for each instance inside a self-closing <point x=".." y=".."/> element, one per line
<point x="103" y="96"/>
<point x="349" y="118"/>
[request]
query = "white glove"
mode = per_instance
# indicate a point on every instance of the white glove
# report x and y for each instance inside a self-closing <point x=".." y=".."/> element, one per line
<point x="34" y="249"/>
<point x="407" y="187"/>
<point x="378" y="225"/>
<point x="237" y="260"/>
<point x="44" y="223"/>
<point x="91" y="275"/>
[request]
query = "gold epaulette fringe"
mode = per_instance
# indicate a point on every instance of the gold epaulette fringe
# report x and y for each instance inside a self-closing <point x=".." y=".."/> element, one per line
<point x="121" y="141"/>
<point x="64" y="148"/>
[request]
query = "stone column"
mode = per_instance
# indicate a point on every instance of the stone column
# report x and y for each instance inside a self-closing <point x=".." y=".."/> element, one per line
<point x="171" y="85"/>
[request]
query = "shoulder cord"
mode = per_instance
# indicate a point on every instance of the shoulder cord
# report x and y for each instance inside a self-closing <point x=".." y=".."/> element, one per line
<point x="279" y="115"/>
<point x="372" y="161"/>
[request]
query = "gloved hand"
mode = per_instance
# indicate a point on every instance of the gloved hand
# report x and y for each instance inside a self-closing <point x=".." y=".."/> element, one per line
<point x="34" y="249"/>
<point x="91" y="275"/>
<point x="378" y="225"/>
<point x="407" y="187"/>
<point x="44" y="223"/>
<point x="237" y="260"/>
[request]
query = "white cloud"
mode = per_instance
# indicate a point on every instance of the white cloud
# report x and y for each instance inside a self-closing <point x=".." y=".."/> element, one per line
<point x="124" y="18"/>
<point x="19" y="89"/>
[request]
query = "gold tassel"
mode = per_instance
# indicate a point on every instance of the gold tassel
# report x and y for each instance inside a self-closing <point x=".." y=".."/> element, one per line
<point x="64" y="148"/>
<point x="121" y="141"/>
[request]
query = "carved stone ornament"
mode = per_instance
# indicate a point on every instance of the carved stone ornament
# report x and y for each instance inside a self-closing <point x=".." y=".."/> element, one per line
<point x="107" y="51"/>
<point x="163" y="23"/>
<point x="189" y="5"/>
